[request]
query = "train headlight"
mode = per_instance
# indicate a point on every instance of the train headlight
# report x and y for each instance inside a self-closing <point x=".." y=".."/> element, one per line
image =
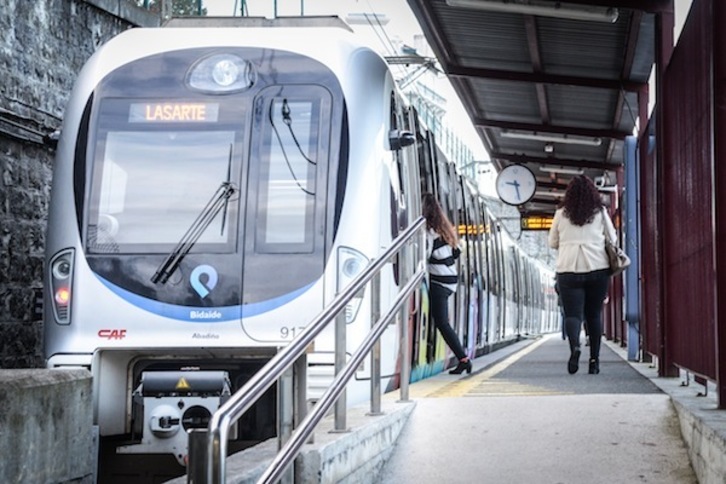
<point x="61" y="269"/>
<point x="222" y="74"/>
<point x="225" y="72"/>
<point x="61" y="281"/>
<point x="350" y="264"/>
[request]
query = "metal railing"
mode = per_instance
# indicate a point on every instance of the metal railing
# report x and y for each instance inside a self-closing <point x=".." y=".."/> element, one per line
<point x="208" y="447"/>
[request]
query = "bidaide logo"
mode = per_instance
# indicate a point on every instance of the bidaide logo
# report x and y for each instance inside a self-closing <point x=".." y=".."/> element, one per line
<point x="205" y="314"/>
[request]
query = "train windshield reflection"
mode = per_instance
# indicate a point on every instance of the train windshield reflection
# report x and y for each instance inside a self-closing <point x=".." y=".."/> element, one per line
<point x="149" y="188"/>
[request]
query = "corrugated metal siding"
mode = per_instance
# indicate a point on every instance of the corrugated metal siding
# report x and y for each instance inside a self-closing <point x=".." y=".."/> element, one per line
<point x="687" y="205"/>
<point x="652" y="309"/>
<point x="495" y="99"/>
<point x="476" y="38"/>
<point x="585" y="107"/>
<point x="567" y="47"/>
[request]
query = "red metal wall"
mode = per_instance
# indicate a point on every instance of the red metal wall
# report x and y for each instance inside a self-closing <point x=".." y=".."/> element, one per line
<point x="687" y="200"/>
<point x="650" y="254"/>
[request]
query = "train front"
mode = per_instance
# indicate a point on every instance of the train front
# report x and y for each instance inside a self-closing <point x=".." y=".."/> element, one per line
<point x="193" y="210"/>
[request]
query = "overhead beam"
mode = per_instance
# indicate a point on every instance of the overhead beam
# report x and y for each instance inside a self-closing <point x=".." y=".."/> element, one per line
<point x="636" y="20"/>
<point x="547" y="128"/>
<point x="650" y="6"/>
<point x="552" y="185"/>
<point x="534" y="213"/>
<point x="545" y="201"/>
<point x="456" y="70"/>
<point x="595" y="165"/>
<point x="530" y="27"/>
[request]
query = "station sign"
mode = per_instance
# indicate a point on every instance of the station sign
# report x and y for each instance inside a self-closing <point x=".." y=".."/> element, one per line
<point x="535" y="222"/>
<point x="471" y="229"/>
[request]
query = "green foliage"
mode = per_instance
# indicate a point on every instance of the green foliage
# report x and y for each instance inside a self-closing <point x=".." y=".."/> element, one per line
<point x="179" y="8"/>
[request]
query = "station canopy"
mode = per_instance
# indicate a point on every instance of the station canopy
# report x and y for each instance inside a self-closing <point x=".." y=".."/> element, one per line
<point x="553" y="86"/>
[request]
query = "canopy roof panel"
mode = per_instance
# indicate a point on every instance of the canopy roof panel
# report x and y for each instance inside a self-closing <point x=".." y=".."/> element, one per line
<point x="543" y="90"/>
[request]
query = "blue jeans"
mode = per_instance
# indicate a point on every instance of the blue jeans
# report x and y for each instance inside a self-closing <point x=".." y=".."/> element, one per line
<point x="582" y="296"/>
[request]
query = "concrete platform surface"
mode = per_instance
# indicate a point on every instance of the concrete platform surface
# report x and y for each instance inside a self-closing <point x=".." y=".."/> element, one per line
<point x="526" y="420"/>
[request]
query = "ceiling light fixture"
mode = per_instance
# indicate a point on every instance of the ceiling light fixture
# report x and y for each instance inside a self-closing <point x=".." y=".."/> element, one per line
<point x="563" y="170"/>
<point x="569" y="139"/>
<point x="542" y="9"/>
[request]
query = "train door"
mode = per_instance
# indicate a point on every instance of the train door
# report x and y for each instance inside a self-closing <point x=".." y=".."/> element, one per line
<point x="446" y="189"/>
<point x="470" y="266"/>
<point x="525" y="321"/>
<point x="486" y="273"/>
<point x="519" y="304"/>
<point x="502" y="295"/>
<point x="409" y="174"/>
<point x="531" y="299"/>
<point x="424" y="332"/>
<point x="512" y="285"/>
<point x="457" y="215"/>
<point x="478" y="267"/>
<point x="426" y="161"/>
<point x="286" y="209"/>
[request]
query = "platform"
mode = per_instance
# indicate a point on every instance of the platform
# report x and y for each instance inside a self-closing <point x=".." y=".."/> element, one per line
<point x="525" y="420"/>
<point x="519" y="417"/>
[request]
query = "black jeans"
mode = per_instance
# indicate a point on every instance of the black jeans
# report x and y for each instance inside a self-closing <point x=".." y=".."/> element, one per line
<point x="582" y="296"/>
<point x="440" y="314"/>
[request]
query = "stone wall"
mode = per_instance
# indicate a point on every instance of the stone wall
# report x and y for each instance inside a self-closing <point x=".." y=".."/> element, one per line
<point x="46" y="427"/>
<point x="43" y="45"/>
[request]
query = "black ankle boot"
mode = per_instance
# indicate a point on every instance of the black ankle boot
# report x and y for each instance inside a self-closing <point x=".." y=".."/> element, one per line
<point x="461" y="367"/>
<point x="594" y="366"/>
<point x="573" y="364"/>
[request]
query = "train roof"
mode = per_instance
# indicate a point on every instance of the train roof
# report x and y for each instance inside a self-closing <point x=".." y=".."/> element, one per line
<point x="258" y="22"/>
<point x="319" y="33"/>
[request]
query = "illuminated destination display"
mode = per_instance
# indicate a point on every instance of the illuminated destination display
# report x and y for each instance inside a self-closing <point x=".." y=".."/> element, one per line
<point x="173" y="112"/>
<point x="536" y="222"/>
<point x="473" y="229"/>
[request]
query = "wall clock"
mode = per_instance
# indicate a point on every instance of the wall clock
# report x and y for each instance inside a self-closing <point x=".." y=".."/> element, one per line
<point x="516" y="185"/>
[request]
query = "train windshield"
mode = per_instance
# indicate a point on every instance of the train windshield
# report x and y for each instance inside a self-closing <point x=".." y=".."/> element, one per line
<point x="156" y="170"/>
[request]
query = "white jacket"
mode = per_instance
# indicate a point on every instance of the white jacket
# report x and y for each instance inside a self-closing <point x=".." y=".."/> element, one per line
<point x="581" y="248"/>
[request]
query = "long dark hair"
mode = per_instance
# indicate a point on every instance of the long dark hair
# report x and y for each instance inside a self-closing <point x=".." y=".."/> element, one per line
<point x="437" y="220"/>
<point x="582" y="201"/>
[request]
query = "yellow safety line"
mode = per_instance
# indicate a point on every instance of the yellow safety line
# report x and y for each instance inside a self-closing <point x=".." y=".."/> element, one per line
<point x="467" y="386"/>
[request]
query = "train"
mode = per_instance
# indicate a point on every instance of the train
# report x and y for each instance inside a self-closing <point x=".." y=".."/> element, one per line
<point x="216" y="183"/>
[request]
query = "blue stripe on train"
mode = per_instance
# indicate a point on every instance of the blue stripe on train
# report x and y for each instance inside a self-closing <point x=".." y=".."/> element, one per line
<point x="192" y="314"/>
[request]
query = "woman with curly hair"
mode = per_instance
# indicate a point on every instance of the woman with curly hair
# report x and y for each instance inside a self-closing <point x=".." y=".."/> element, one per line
<point x="443" y="250"/>
<point x="583" y="272"/>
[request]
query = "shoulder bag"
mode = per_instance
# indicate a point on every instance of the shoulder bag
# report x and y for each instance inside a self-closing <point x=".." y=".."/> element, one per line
<point x="618" y="259"/>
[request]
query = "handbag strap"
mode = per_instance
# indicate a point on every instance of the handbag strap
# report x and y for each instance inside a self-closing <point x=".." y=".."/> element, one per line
<point x="604" y="228"/>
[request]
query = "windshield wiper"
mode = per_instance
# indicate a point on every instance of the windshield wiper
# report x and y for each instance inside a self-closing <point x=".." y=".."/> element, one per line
<point x="218" y="202"/>
<point x="226" y="199"/>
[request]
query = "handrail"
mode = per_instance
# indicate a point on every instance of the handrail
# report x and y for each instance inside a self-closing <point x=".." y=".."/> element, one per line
<point x="250" y="392"/>
<point x="286" y="455"/>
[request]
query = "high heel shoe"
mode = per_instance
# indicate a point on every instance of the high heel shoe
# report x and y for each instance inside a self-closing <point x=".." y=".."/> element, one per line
<point x="594" y="368"/>
<point x="461" y="367"/>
